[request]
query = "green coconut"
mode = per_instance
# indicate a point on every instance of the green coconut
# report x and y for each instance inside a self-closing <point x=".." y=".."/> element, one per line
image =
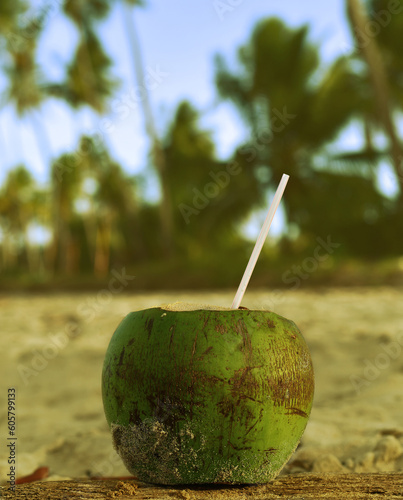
<point x="199" y="394"/>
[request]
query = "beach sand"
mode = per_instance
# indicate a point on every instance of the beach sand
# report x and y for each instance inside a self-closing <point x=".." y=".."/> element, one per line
<point x="53" y="347"/>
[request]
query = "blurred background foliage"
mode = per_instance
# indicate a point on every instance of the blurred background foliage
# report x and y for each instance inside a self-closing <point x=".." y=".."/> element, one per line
<point x="95" y="218"/>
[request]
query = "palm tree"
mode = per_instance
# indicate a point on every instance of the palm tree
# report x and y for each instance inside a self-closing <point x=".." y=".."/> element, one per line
<point x="193" y="170"/>
<point x="63" y="254"/>
<point x="389" y="41"/>
<point x="157" y="151"/>
<point x="368" y="48"/>
<point x="118" y="234"/>
<point x="111" y="218"/>
<point x="276" y="89"/>
<point x="25" y="81"/>
<point x="9" y="12"/>
<point x="89" y="81"/>
<point x="95" y="211"/>
<point x="292" y="120"/>
<point x="21" y="201"/>
<point x="16" y="210"/>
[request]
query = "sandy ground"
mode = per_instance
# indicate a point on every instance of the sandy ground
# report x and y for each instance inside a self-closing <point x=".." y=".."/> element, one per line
<point x="52" y="349"/>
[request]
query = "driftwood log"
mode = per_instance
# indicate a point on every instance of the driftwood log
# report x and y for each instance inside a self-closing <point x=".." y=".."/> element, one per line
<point x="299" y="486"/>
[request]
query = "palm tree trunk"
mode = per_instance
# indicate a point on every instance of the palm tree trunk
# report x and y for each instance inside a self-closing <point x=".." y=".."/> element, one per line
<point x="56" y="226"/>
<point x="103" y="248"/>
<point x="32" y="257"/>
<point x="369" y="143"/>
<point x="90" y="229"/>
<point x="53" y="252"/>
<point x="8" y="252"/>
<point x="370" y="53"/>
<point x="166" y="211"/>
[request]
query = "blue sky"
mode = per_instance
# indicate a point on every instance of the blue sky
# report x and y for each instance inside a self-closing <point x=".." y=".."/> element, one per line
<point x="179" y="40"/>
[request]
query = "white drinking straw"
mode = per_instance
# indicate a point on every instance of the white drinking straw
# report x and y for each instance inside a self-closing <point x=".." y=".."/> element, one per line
<point x="259" y="242"/>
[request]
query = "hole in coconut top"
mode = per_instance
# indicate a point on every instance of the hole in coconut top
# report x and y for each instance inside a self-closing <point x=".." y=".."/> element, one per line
<point x="185" y="306"/>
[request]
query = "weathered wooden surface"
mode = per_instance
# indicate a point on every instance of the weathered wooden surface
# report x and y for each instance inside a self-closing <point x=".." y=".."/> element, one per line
<point x="301" y="487"/>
